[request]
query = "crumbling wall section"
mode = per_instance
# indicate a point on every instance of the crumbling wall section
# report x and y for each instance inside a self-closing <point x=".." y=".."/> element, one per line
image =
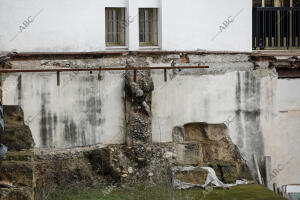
<point x="236" y="90"/>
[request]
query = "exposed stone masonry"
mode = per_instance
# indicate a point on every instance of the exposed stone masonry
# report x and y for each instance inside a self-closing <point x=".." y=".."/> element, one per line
<point x="138" y="160"/>
<point x="18" y="166"/>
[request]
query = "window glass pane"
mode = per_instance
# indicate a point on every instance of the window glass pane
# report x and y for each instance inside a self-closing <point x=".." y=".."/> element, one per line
<point x="296" y="3"/>
<point x="114" y="32"/>
<point x="286" y="3"/>
<point x="256" y="3"/>
<point x="148" y="26"/>
<point x="269" y="3"/>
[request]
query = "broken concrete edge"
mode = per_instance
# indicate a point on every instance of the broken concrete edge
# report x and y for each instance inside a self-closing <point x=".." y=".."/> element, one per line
<point x="265" y="53"/>
<point x="32" y="55"/>
<point x="113" y="164"/>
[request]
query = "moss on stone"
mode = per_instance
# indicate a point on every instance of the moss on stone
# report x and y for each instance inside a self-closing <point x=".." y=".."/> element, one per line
<point x="13" y="114"/>
<point x="19" y="156"/>
<point x="18" y="172"/>
<point x="20" y="193"/>
<point x="17" y="137"/>
<point x="196" y="176"/>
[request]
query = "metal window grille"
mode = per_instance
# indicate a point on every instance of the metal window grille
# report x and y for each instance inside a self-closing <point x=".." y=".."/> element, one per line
<point x="114" y="26"/>
<point x="148" y="26"/>
<point x="277" y="26"/>
<point x="275" y="3"/>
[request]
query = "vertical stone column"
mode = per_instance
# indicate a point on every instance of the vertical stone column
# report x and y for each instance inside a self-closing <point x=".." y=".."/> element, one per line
<point x="138" y="108"/>
<point x="138" y="96"/>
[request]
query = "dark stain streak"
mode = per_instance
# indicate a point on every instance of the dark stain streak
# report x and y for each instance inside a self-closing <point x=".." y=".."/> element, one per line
<point x="93" y="109"/>
<point x="55" y="120"/>
<point x="238" y="90"/>
<point x="46" y="128"/>
<point x="43" y="126"/>
<point x="70" y="131"/>
<point x="248" y="114"/>
<point x="49" y="129"/>
<point x="19" y="87"/>
<point x="240" y="143"/>
<point x="83" y="140"/>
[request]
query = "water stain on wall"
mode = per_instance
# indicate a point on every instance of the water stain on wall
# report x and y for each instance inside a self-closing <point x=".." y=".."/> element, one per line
<point x="248" y="114"/>
<point x="46" y="123"/>
<point x="19" y="88"/>
<point x="70" y="131"/>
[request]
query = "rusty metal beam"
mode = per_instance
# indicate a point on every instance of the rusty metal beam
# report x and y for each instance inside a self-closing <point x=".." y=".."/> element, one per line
<point x="99" y="69"/>
<point x="134" y="75"/>
<point x="97" y="53"/>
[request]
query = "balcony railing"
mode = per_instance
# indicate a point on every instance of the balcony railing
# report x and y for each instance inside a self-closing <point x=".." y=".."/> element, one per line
<point x="276" y="28"/>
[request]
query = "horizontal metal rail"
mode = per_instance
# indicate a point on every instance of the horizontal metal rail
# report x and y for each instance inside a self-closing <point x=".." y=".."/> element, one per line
<point x="99" y="69"/>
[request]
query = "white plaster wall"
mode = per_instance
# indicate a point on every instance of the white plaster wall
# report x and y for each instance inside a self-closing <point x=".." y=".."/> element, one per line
<point x="81" y="111"/>
<point x="186" y="99"/>
<point x="79" y="26"/>
<point x="282" y="133"/>
<point x="193" y="24"/>
<point x="232" y="98"/>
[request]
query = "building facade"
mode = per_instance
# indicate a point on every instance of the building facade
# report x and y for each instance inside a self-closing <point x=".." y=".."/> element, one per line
<point x="77" y="26"/>
<point x="254" y="93"/>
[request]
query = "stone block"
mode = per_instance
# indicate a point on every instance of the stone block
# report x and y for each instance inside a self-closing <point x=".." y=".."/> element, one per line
<point x="18" y="172"/>
<point x="223" y="150"/>
<point x="178" y="134"/>
<point x="20" y="193"/>
<point x="230" y="172"/>
<point x="216" y="132"/>
<point x="195" y="176"/>
<point x="13" y="114"/>
<point x="195" y="132"/>
<point x="204" y="132"/>
<point x="17" y="137"/>
<point x="19" y="156"/>
<point x="188" y="153"/>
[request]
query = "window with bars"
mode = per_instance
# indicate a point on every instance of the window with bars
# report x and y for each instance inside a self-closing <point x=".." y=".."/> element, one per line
<point x="148" y="26"/>
<point x="114" y="26"/>
<point x="275" y="24"/>
<point x="276" y="3"/>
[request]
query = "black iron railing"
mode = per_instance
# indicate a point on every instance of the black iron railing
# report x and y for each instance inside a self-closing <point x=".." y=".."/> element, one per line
<point x="276" y="28"/>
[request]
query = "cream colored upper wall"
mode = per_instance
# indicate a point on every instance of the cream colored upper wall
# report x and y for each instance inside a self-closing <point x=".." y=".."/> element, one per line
<point x="288" y="95"/>
<point x="281" y="132"/>
<point x="79" y="26"/>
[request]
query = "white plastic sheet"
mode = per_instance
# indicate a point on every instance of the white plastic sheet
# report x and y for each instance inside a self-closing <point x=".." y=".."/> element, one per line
<point x="211" y="179"/>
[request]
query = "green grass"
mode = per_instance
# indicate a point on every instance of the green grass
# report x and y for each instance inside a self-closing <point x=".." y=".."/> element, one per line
<point x="102" y="192"/>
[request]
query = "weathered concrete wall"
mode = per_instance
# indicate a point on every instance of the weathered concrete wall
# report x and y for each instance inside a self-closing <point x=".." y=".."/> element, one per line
<point x="84" y="109"/>
<point x="89" y="109"/>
